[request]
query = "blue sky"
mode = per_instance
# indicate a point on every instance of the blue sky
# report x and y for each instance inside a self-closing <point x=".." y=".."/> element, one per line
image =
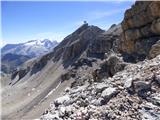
<point x="23" y="21"/>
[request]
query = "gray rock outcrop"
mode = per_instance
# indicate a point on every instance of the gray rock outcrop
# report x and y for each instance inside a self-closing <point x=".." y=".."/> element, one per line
<point x="155" y="50"/>
<point x="111" y="99"/>
<point x="109" y="67"/>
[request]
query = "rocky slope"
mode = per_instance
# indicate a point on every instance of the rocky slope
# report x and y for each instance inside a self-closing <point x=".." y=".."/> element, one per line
<point x="110" y="88"/>
<point x="141" y="30"/>
<point x="132" y="94"/>
<point x="90" y="71"/>
<point x="39" y="77"/>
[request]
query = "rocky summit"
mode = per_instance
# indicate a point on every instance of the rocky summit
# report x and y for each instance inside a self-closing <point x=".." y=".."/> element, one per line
<point x="93" y="74"/>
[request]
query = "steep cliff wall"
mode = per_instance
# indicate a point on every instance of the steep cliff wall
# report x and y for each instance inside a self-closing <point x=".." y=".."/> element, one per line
<point x="141" y="29"/>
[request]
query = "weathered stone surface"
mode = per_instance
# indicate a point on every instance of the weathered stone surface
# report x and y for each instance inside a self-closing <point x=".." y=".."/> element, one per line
<point x="77" y="42"/>
<point x="61" y="100"/>
<point x="105" y="42"/>
<point x="109" y="93"/>
<point x="110" y="99"/>
<point x="154" y="8"/>
<point x="109" y="67"/>
<point x="141" y="22"/>
<point x="155" y="50"/>
<point x="155" y="27"/>
<point x="141" y="87"/>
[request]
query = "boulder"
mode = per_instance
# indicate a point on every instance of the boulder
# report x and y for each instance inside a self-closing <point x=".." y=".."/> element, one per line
<point x="141" y="87"/>
<point x="61" y="100"/>
<point x="155" y="50"/>
<point x="108" y="93"/>
<point x="109" y="67"/>
<point x="100" y="87"/>
<point x="98" y="102"/>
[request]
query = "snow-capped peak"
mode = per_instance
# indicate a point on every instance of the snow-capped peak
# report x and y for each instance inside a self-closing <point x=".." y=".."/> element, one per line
<point x="45" y="42"/>
<point x="31" y="48"/>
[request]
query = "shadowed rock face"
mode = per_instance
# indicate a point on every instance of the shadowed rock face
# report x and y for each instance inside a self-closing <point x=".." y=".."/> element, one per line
<point x="102" y="44"/>
<point x="89" y="39"/>
<point x="20" y="74"/>
<point x="76" y="43"/>
<point x="141" y="29"/>
<point x="108" y="68"/>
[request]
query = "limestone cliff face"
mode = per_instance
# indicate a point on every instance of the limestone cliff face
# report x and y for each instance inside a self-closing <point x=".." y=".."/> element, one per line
<point x="141" y="29"/>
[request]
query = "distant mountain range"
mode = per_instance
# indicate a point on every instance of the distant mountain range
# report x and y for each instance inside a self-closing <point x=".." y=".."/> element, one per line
<point x="11" y="61"/>
<point x="13" y="55"/>
<point x="31" y="48"/>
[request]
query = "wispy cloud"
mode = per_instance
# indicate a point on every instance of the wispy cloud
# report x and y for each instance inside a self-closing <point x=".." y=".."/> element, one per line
<point x="97" y="16"/>
<point x="101" y="14"/>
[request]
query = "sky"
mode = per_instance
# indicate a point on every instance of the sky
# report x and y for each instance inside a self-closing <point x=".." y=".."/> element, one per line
<point x="22" y="21"/>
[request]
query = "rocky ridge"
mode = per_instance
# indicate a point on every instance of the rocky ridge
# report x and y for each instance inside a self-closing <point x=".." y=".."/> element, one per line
<point x="87" y="42"/>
